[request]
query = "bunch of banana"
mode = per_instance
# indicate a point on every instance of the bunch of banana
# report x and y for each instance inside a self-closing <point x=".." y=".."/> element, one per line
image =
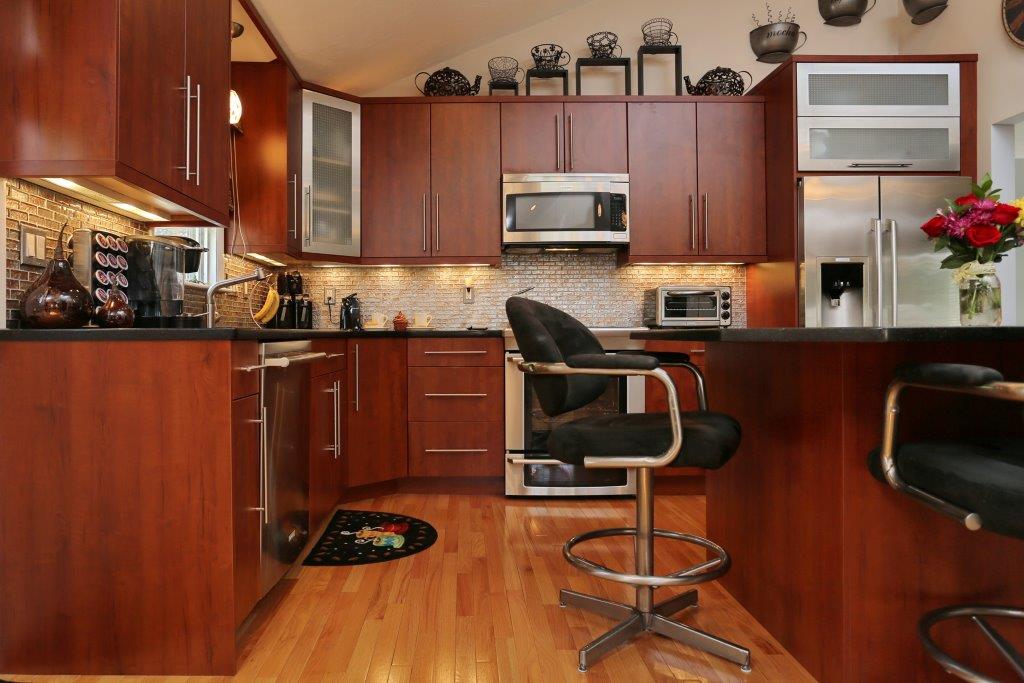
<point x="270" y="306"/>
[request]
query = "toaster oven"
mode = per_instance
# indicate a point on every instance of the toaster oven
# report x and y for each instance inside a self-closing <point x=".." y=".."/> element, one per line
<point x="682" y="306"/>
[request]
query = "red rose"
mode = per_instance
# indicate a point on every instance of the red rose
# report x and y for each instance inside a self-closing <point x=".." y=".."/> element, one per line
<point x="935" y="227"/>
<point x="983" y="235"/>
<point x="1004" y="214"/>
<point x="967" y="200"/>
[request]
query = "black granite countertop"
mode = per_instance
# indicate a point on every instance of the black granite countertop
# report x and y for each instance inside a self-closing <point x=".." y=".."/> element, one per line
<point x="239" y="333"/>
<point x="835" y="334"/>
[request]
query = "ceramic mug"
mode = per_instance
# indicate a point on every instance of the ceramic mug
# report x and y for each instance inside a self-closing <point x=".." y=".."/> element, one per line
<point x="376" y="321"/>
<point x="421" y="320"/>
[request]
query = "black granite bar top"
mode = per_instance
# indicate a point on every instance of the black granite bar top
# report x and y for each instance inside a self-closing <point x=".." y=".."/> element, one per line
<point x="218" y="333"/>
<point x="835" y="334"/>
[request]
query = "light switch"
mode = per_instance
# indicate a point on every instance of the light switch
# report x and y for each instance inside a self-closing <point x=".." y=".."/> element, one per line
<point x="33" y="246"/>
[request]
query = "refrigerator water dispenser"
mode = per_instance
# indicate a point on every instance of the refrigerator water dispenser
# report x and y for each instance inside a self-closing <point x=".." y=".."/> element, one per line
<point x="842" y="294"/>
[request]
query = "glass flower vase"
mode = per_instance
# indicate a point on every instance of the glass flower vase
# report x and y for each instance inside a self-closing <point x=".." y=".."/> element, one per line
<point x="981" y="300"/>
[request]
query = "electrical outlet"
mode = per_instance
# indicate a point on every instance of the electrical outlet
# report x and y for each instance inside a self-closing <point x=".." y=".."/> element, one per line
<point x="330" y="297"/>
<point x="468" y="294"/>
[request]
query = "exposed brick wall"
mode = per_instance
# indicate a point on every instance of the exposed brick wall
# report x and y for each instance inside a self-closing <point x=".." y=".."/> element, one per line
<point x="39" y="207"/>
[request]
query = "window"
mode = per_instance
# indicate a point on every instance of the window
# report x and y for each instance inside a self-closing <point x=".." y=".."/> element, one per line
<point x="211" y="265"/>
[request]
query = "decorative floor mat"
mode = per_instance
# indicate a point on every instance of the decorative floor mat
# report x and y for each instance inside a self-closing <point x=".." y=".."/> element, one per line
<point x="360" y="537"/>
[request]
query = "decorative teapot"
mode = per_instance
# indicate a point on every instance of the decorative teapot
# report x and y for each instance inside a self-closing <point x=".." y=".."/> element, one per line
<point x="446" y="82"/>
<point x="719" y="82"/>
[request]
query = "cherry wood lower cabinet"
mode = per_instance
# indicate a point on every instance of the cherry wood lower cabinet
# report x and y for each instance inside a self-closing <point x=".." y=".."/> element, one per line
<point x="446" y="394"/>
<point x="326" y="445"/>
<point x="248" y="515"/>
<point x="462" y="449"/>
<point x="377" y="439"/>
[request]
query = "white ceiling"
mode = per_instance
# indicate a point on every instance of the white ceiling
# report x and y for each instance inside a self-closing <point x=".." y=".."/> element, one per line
<point x="359" y="45"/>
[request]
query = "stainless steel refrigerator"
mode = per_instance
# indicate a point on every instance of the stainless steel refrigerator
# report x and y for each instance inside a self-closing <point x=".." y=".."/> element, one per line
<point x="864" y="259"/>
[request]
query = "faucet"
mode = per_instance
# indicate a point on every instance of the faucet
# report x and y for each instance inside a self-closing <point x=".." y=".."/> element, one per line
<point x="211" y="309"/>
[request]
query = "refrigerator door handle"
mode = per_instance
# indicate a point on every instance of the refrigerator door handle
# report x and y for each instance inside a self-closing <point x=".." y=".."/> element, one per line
<point x="876" y="228"/>
<point x="894" y="248"/>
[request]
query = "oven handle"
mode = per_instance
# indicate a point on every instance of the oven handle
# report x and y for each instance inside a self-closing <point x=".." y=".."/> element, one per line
<point x="527" y="461"/>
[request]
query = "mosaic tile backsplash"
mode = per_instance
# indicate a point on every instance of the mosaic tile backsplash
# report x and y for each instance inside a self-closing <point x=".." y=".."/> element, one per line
<point x="591" y="287"/>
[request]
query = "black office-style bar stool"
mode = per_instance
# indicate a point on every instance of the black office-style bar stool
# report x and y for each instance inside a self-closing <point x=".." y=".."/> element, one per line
<point x="569" y="369"/>
<point x="978" y="481"/>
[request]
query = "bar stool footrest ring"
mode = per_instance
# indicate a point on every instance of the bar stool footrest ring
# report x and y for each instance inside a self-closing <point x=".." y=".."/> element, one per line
<point x="977" y="614"/>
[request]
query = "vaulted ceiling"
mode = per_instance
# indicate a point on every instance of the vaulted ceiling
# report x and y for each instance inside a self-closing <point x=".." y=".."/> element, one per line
<point x="358" y="45"/>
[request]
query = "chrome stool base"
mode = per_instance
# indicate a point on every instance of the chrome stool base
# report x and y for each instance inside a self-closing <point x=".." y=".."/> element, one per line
<point x="977" y="614"/>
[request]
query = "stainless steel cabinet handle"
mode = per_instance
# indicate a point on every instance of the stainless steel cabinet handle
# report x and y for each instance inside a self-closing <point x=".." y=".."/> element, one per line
<point x="199" y="126"/>
<point x="707" y="228"/>
<point x="558" y="156"/>
<point x="693" y="351"/>
<point x="187" y="168"/>
<point x="335" y="447"/>
<point x="294" y="182"/>
<point x="894" y="248"/>
<point x="335" y="355"/>
<point x="693" y="224"/>
<point x="262" y="508"/>
<point x="876" y="228"/>
<point x="264" y="485"/>
<point x="454" y="450"/>
<point x="455" y="395"/>
<point x="307" y="213"/>
<point x="437" y="222"/>
<point x="357" y="378"/>
<point x="453" y="353"/>
<point x="572" y="143"/>
<point x="424" y="221"/>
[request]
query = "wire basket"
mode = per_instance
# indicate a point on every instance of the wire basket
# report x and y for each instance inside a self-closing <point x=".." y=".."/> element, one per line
<point x="258" y="292"/>
<point x="658" y="31"/>
<point x="549" y="56"/>
<point x="603" y="45"/>
<point x="505" y="70"/>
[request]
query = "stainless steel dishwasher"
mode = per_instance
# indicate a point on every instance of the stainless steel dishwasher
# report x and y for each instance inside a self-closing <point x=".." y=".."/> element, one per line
<point x="284" y="455"/>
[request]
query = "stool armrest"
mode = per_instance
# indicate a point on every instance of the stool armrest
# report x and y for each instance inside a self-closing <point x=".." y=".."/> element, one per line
<point x="666" y="458"/>
<point x="614" y="361"/>
<point x="675" y="359"/>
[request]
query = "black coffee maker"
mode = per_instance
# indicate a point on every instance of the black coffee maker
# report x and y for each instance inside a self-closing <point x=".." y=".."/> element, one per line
<point x="351" y="315"/>
<point x="289" y="288"/>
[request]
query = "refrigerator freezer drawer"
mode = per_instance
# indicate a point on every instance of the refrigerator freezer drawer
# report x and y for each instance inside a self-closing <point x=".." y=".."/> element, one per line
<point x="880" y="145"/>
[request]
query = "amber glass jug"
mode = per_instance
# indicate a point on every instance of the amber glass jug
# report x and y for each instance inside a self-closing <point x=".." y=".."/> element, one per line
<point x="56" y="300"/>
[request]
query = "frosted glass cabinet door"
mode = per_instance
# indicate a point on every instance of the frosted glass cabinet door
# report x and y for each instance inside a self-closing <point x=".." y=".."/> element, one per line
<point x="878" y="89"/>
<point x="856" y="144"/>
<point x="330" y="175"/>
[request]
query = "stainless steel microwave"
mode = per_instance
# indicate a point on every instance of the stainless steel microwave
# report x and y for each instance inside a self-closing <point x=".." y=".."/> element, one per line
<point x="682" y="306"/>
<point x="565" y="208"/>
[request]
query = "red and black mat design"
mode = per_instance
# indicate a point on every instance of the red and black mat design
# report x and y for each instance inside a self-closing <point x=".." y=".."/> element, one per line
<point x="361" y="537"/>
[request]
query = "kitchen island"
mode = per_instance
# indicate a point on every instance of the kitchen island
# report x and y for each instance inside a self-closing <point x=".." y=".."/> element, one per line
<point x="836" y="565"/>
<point x="131" y="475"/>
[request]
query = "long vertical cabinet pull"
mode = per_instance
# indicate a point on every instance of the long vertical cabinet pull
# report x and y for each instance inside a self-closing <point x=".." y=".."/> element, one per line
<point x="337" y="419"/>
<point x="572" y="144"/>
<point x="424" y="222"/>
<point x="894" y="248"/>
<point x="264" y="484"/>
<point x="187" y="168"/>
<point x="333" y="448"/>
<point x="707" y="227"/>
<point x="307" y="213"/>
<point x="558" y="156"/>
<point x="693" y="224"/>
<point x="294" y="182"/>
<point x="876" y="228"/>
<point x="199" y="125"/>
<point x="357" y="378"/>
<point x="437" y="222"/>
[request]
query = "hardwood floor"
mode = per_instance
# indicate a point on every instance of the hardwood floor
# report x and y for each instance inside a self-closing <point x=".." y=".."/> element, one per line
<point x="482" y="604"/>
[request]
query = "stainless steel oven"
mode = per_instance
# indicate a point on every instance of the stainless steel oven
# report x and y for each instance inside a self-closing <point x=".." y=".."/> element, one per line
<point x="529" y="469"/>
<point x="565" y="208"/>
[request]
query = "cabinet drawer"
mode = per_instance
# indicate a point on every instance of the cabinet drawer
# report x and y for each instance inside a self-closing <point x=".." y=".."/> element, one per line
<point x="456" y="394"/>
<point x="244" y="354"/>
<point x="335" y="361"/>
<point x="456" y="352"/>
<point x="456" y="449"/>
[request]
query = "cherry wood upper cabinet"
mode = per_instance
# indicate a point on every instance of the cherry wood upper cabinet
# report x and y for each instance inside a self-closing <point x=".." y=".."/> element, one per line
<point x="99" y="91"/>
<point x="663" y="179"/>
<point x="208" y="64"/>
<point x="595" y="138"/>
<point x="377" y="445"/>
<point x="396" y="180"/>
<point x="531" y="137"/>
<point x="465" y="179"/>
<point x="731" y="184"/>
<point x="151" y="136"/>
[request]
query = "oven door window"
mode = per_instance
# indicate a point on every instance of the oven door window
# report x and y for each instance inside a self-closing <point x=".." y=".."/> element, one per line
<point x="701" y="305"/>
<point x="538" y="427"/>
<point x="557" y="212"/>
